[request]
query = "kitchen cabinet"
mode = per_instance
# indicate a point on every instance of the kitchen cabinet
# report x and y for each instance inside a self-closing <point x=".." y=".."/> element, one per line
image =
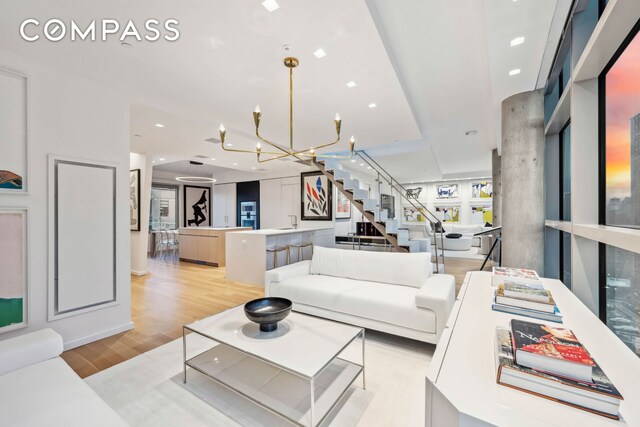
<point x="205" y="245"/>
<point x="224" y="205"/>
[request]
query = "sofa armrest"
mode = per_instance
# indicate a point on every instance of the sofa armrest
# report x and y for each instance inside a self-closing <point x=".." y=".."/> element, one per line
<point x="29" y="349"/>
<point x="438" y="294"/>
<point x="279" y="274"/>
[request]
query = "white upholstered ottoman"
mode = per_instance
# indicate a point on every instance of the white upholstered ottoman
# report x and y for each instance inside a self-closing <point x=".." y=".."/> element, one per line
<point x="460" y="244"/>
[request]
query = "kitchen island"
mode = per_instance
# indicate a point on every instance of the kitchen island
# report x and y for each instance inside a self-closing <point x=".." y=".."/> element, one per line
<point x="247" y="256"/>
<point x="205" y="245"/>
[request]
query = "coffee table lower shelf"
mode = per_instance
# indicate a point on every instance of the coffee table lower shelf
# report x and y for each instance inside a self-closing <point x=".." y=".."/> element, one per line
<point x="280" y="391"/>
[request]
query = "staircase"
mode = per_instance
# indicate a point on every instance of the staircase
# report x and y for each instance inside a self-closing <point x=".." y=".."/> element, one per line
<point x="371" y="208"/>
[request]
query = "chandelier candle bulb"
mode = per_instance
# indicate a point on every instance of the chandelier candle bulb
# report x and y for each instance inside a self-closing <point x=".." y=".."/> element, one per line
<point x="223" y="132"/>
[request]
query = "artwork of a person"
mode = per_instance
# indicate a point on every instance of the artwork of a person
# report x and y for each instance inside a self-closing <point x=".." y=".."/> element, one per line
<point x="198" y="208"/>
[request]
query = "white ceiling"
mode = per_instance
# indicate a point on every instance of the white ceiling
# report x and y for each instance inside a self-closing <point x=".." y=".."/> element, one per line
<point x="434" y="69"/>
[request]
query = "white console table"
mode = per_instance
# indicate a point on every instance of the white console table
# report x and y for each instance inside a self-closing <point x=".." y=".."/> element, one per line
<point x="461" y="388"/>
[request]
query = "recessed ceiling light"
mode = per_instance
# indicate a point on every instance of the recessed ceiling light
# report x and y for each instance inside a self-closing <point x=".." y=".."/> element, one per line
<point x="372" y="105"/>
<point x="159" y="125"/>
<point x="235" y="164"/>
<point x="229" y="144"/>
<point x="320" y="53"/>
<point x="253" y="167"/>
<point x="137" y="135"/>
<point x="353" y="161"/>
<point x="517" y="41"/>
<point x="270" y="5"/>
<point x="361" y="164"/>
<point x="213" y="159"/>
<point x="514" y="72"/>
<point x="153" y="161"/>
<point x="351" y="84"/>
<point x="368" y="167"/>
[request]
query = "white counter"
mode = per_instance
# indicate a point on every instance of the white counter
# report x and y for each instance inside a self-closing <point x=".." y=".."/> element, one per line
<point x="247" y="256"/>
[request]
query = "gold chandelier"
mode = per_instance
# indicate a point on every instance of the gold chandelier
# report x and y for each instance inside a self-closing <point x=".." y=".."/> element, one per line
<point x="283" y="151"/>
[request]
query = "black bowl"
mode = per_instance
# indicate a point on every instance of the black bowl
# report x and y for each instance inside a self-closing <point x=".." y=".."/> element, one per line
<point x="267" y="312"/>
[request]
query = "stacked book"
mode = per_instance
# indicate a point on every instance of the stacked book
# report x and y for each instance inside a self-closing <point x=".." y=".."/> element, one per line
<point x="521" y="275"/>
<point x="520" y="291"/>
<point x="550" y="362"/>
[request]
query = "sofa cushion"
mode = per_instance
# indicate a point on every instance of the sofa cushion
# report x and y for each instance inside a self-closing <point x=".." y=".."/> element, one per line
<point x="371" y="300"/>
<point x="49" y="393"/>
<point x="384" y="267"/>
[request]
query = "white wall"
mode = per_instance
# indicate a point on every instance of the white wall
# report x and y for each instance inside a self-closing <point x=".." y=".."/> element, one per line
<point x="140" y="239"/>
<point x="72" y="117"/>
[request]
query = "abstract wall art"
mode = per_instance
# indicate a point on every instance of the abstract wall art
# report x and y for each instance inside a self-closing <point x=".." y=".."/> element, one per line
<point x="13" y="265"/>
<point x="481" y="190"/>
<point x="315" y="197"/>
<point x="134" y="199"/>
<point x="13" y="132"/>
<point x="197" y="206"/>
<point x="447" y="191"/>
<point x="448" y="213"/>
<point x="343" y="206"/>
<point x="411" y="214"/>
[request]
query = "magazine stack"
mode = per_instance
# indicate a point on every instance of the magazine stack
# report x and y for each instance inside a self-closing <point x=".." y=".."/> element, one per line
<point x="550" y="362"/>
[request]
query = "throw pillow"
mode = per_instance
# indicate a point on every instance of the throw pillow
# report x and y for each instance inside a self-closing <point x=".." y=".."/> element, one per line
<point x="453" y="236"/>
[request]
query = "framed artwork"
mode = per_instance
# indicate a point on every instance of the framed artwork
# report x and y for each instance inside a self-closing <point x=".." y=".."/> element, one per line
<point x="343" y="206"/>
<point x="413" y="193"/>
<point x="388" y="202"/>
<point x="197" y="206"/>
<point x="13" y="265"/>
<point x="315" y="197"/>
<point x="134" y="199"/>
<point x="448" y="213"/>
<point x="481" y="215"/>
<point x="411" y="214"/>
<point x="447" y="191"/>
<point x="481" y="190"/>
<point x="13" y="133"/>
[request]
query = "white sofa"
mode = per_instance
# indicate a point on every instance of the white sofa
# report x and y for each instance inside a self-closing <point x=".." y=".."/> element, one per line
<point x="37" y="387"/>
<point x="467" y="230"/>
<point x="395" y="293"/>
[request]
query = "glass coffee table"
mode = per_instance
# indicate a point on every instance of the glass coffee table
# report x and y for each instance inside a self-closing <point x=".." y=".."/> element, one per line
<point x="295" y="371"/>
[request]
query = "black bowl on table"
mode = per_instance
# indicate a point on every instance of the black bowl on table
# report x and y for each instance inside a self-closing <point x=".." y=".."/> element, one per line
<point x="267" y="312"/>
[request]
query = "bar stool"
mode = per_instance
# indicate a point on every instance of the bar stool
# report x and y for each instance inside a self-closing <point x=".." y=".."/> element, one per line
<point x="300" y="249"/>
<point x="277" y="249"/>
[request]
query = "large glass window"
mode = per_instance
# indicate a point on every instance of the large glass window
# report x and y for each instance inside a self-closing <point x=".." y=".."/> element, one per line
<point x="621" y="85"/>
<point x="164" y="207"/>
<point x="565" y="175"/>
<point x="622" y="293"/>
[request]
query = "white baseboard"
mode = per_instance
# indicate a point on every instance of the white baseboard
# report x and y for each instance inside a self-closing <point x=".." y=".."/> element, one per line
<point x="139" y="273"/>
<point x="95" y="337"/>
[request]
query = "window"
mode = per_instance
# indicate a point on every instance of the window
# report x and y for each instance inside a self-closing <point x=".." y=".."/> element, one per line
<point x="565" y="173"/>
<point x="620" y="133"/>
<point x="621" y="294"/>
<point x="565" y="258"/>
<point x="164" y="207"/>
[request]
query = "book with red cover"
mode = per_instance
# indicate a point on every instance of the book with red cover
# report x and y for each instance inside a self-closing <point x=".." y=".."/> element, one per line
<point x="598" y="396"/>
<point x="551" y="349"/>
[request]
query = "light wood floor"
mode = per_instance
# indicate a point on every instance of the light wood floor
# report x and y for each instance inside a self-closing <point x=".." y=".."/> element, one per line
<point x="174" y="294"/>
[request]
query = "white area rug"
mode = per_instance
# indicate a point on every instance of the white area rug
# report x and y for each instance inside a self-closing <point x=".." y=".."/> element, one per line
<point x="148" y="390"/>
<point x="472" y="253"/>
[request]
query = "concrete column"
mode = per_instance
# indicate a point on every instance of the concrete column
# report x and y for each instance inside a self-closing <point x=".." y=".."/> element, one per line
<point x="522" y="170"/>
<point x="496" y="178"/>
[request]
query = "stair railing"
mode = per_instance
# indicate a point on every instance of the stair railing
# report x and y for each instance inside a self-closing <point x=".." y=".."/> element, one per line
<point x="436" y="224"/>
